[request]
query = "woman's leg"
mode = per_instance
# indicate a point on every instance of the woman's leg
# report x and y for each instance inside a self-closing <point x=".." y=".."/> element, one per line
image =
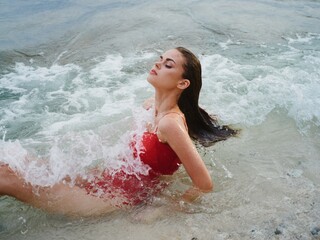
<point x="60" y="198"/>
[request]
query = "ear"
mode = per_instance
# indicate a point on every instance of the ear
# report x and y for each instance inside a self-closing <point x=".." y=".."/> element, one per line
<point x="183" y="84"/>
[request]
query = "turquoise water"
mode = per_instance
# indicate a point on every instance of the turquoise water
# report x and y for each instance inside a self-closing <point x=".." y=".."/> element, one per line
<point x="73" y="78"/>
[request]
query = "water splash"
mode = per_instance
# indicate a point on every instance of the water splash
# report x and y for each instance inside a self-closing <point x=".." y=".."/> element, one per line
<point x="244" y="93"/>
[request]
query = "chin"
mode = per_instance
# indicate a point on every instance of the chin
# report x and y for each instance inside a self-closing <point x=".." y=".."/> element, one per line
<point x="150" y="79"/>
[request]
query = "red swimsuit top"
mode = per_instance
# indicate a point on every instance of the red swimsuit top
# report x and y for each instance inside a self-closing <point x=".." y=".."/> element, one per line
<point x="159" y="156"/>
<point x="136" y="188"/>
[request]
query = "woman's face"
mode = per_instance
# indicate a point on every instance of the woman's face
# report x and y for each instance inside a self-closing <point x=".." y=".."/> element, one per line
<point x="167" y="70"/>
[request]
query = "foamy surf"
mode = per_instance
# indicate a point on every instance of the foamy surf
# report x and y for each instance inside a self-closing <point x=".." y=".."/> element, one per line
<point x="72" y="83"/>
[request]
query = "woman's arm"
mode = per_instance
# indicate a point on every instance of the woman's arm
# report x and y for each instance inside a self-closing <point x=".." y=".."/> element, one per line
<point x="172" y="130"/>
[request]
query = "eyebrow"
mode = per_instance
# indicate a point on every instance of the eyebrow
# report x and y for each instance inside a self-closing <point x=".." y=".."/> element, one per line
<point x="168" y="59"/>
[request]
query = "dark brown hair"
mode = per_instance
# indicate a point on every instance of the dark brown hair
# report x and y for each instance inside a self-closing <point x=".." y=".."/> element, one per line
<point x="201" y="125"/>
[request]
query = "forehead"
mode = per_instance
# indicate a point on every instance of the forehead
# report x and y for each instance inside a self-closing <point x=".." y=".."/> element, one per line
<point x="175" y="55"/>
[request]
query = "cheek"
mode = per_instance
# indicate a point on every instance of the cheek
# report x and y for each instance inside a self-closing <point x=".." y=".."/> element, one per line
<point x="166" y="79"/>
<point x="175" y="77"/>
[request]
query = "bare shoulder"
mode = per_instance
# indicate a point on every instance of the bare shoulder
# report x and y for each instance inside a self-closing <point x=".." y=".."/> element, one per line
<point x="171" y="122"/>
<point x="172" y="126"/>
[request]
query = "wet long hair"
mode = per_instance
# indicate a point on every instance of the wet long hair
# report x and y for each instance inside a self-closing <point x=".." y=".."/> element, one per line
<point x="201" y="126"/>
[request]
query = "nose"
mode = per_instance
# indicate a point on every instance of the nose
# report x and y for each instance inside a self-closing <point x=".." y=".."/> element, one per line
<point x="157" y="64"/>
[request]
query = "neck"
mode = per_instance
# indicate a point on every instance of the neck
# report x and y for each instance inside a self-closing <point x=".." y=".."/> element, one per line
<point x="165" y="103"/>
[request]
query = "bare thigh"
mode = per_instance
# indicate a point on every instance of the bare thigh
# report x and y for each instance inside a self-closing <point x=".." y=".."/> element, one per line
<point x="73" y="201"/>
<point x="60" y="198"/>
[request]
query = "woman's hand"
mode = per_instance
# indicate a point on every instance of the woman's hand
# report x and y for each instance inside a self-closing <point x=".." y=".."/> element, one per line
<point x="148" y="103"/>
<point x="186" y="202"/>
<point x="192" y="194"/>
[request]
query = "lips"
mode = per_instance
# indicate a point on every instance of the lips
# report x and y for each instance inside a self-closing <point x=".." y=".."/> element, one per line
<point x="153" y="72"/>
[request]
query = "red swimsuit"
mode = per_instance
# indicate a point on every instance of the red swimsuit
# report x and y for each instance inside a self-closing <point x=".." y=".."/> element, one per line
<point x="135" y="188"/>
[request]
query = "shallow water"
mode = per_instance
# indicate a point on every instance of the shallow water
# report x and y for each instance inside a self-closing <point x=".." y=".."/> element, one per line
<point x="73" y="80"/>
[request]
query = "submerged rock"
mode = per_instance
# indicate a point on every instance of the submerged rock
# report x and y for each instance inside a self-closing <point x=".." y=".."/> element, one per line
<point x="277" y="231"/>
<point x="315" y="231"/>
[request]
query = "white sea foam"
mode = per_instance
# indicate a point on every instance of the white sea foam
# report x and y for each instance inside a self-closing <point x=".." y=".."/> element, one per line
<point x="299" y="38"/>
<point x="246" y="94"/>
<point x="238" y="93"/>
<point x="79" y="112"/>
<point x="76" y="116"/>
<point x="75" y="153"/>
<point x="84" y="116"/>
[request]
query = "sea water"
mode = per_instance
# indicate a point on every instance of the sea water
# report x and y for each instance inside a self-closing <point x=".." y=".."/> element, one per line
<point x="73" y="80"/>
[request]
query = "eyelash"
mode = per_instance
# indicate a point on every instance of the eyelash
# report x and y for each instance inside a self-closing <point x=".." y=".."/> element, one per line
<point x="167" y="66"/>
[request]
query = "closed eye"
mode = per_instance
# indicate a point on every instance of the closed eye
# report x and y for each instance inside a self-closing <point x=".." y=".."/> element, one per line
<point x="166" y="61"/>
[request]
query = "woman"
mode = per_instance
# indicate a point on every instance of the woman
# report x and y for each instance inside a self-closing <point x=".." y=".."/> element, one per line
<point x="176" y="78"/>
